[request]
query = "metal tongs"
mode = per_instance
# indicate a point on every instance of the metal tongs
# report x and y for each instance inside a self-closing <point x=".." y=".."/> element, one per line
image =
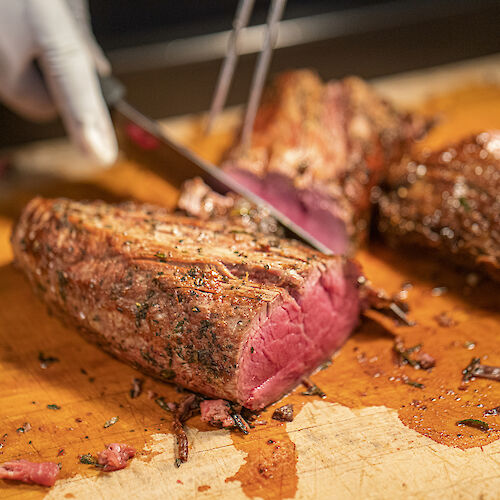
<point x="240" y="21"/>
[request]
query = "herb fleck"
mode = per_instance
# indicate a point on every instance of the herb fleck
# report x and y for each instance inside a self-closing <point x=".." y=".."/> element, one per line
<point x="312" y="389"/>
<point x="161" y="256"/>
<point x="142" y="311"/>
<point x="63" y="281"/>
<point x="53" y="407"/>
<point x="88" y="459"/>
<point x="492" y="413"/>
<point x="418" y="385"/>
<point x="25" y="428"/>
<point x="463" y="201"/>
<point x="472" y="422"/>
<point x="167" y="374"/>
<point x="110" y="422"/>
<point x="162" y="404"/>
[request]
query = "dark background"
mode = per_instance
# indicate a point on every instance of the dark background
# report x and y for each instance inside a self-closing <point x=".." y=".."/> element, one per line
<point x="367" y="38"/>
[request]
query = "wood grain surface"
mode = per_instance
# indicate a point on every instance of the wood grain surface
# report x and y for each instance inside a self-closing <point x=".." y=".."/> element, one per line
<point x="372" y="437"/>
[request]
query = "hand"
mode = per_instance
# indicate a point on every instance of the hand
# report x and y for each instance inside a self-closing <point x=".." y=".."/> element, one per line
<point x="57" y="35"/>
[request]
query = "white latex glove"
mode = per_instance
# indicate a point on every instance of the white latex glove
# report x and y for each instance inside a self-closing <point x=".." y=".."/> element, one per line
<point x="57" y="34"/>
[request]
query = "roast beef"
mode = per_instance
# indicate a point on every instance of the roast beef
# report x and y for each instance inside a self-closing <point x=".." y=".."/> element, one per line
<point x="317" y="150"/>
<point x="448" y="201"/>
<point x="228" y="313"/>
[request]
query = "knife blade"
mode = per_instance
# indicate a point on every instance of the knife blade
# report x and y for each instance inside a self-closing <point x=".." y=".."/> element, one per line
<point x="143" y="139"/>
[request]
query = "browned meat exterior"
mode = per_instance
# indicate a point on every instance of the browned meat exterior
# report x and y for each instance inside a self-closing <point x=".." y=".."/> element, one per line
<point x="448" y="200"/>
<point x="318" y="149"/>
<point x="221" y="311"/>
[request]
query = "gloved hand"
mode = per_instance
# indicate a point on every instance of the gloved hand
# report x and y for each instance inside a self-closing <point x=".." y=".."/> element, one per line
<point x="56" y="34"/>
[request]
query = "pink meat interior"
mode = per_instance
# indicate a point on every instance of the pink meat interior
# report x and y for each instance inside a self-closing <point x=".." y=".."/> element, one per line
<point x="291" y="339"/>
<point x="310" y="210"/>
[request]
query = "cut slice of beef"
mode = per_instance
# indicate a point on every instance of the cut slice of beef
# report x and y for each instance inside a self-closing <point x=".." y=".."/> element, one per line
<point x="231" y="314"/>
<point x="448" y="201"/>
<point x="318" y="149"/>
<point x="42" y="473"/>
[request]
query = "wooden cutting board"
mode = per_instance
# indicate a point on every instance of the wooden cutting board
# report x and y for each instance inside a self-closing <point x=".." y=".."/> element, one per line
<point x="374" y="436"/>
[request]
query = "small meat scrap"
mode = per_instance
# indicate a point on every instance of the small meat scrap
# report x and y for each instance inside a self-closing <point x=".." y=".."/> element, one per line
<point x="444" y="320"/>
<point x="426" y="361"/>
<point x="419" y="361"/>
<point x="152" y="394"/>
<point x="44" y="473"/>
<point x="115" y="456"/>
<point x="216" y="412"/>
<point x="284" y="413"/>
<point x="136" y="389"/>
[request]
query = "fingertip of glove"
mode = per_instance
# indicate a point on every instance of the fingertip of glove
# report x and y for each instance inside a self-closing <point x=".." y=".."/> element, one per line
<point x="100" y="146"/>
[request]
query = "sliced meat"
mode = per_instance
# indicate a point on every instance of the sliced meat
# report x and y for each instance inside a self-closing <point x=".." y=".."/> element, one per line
<point x="44" y="473"/>
<point x="115" y="456"/>
<point x="227" y="313"/>
<point x="448" y="201"/>
<point x="216" y="412"/>
<point x="318" y="149"/>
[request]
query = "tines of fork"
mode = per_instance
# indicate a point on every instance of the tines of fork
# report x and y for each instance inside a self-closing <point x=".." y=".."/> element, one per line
<point x="241" y="19"/>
